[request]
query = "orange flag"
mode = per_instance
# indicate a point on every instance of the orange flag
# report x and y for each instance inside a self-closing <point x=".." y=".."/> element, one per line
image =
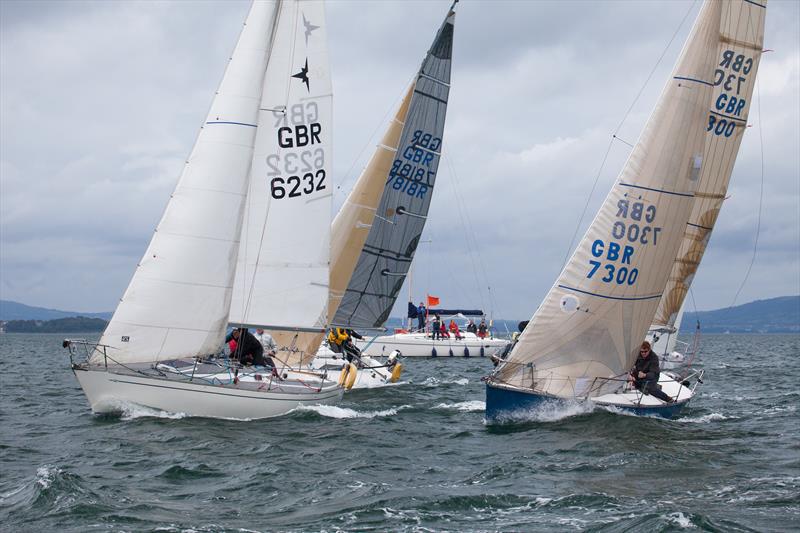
<point x="433" y="300"/>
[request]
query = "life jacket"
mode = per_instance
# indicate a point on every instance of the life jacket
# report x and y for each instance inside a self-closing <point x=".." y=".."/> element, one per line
<point x="338" y="336"/>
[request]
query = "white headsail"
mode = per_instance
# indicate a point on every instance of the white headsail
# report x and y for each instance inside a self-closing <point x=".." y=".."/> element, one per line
<point x="602" y="304"/>
<point x="282" y="273"/>
<point x="738" y="55"/>
<point x="412" y="139"/>
<point x="177" y="302"/>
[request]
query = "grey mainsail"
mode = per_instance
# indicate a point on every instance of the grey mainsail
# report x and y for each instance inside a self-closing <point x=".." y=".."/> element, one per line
<point x="400" y="218"/>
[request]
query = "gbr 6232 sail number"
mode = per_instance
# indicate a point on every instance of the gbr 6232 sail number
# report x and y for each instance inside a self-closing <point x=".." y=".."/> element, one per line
<point x="297" y="167"/>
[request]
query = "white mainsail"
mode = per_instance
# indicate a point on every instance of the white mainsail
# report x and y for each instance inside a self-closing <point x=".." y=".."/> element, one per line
<point x="177" y="303"/>
<point x="600" y="308"/>
<point x="738" y="55"/>
<point x="283" y="263"/>
<point x="348" y="233"/>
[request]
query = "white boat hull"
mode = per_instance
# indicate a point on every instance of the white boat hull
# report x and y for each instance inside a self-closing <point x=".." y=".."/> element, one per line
<point x="109" y="392"/>
<point x="421" y="345"/>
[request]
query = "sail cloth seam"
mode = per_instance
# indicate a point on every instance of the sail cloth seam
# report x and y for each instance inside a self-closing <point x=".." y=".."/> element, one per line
<point x="684" y="78"/>
<point x="431" y="96"/>
<point x="188" y="283"/>
<point x="157" y="327"/>
<point x="233" y="123"/>
<point x="393" y="257"/>
<point x="684" y="194"/>
<point x="389" y="148"/>
<point x="216" y="191"/>
<point x="756" y="4"/>
<point x="611" y="297"/>
<point x="199" y="237"/>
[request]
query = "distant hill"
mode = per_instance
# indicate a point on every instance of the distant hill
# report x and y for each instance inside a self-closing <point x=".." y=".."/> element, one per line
<point x="775" y="315"/>
<point x="16" y="311"/>
<point x="73" y="324"/>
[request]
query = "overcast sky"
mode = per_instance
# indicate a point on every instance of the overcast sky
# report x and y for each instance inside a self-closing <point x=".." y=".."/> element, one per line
<point x="100" y="103"/>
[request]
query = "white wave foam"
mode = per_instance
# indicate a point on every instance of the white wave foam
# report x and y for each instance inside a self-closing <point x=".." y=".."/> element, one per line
<point x="45" y="475"/>
<point x="468" y="406"/>
<point x="705" y="419"/>
<point x="132" y="411"/>
<point x="679" y="519"/>
<point x="435" y="382"/>
<point x="552" y="411"/>
<point x="332" y="411"/>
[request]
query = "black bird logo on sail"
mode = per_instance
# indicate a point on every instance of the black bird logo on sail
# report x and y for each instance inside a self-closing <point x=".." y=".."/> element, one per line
<point x="303" y="75"/>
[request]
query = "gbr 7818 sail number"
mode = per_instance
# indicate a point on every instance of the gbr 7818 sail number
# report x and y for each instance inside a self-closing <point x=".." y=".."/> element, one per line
<point x="304" y="168"/>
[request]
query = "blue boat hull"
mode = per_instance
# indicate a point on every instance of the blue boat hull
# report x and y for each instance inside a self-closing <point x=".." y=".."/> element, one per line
<point x="505" y="404"/>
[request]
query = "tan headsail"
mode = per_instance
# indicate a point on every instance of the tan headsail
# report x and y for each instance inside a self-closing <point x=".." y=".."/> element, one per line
<point x="602" y="304"/>
<point x="738" y="55"/>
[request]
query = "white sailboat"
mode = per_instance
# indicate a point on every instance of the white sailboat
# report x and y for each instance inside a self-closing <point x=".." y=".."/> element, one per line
<point x="584" y="337"/>
<point x="244" y="238"/>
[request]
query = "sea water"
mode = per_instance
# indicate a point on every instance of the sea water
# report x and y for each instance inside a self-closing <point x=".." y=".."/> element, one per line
<point x="416" y="456"/>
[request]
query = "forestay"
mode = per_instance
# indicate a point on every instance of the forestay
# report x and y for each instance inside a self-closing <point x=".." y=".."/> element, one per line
<point x="738" y="56"/>
<point x="408" y="187"/>
<point x="599" y="309"/>
<point x="177" y="302"/>
<point x="282" y="272"/>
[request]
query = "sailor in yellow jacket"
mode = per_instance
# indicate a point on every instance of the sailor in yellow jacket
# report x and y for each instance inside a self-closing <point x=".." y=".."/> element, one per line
<point x="340" y="340"/>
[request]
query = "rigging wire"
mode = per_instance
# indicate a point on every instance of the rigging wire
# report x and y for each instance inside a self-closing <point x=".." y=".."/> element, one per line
<point x="471" y="233"/>
<point x="619" y="127"/>
<point x="468" y="231"/>
<point x="371" y="139"/>
<point x="760" y="198"/>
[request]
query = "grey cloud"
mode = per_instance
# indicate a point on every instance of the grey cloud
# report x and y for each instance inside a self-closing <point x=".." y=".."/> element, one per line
<point x="100" y="104"/>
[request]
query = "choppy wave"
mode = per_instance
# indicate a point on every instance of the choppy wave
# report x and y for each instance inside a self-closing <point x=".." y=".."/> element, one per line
<point x="333" y="411"/>
<point x="471" y="405"/>
<point x="705" y="419"/>
<point x="435" y="382"/>
<point x="680" y="520"/>
<point x="550" y="411"/>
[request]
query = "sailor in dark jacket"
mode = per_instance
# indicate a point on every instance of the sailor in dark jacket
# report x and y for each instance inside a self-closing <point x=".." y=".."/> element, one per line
<point x="645" y="372"/>
<point x="249" y="350"/>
